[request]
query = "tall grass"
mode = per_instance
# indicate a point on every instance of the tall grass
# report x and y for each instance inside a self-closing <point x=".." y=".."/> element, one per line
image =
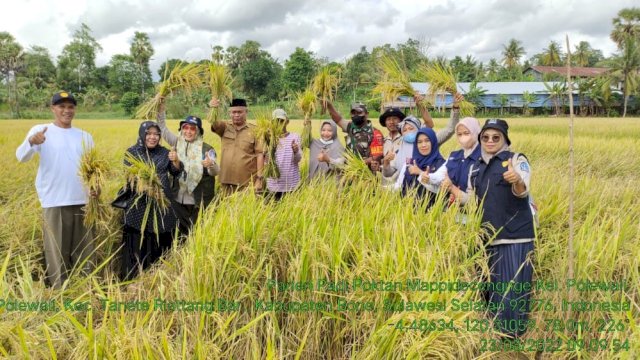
<point x="336" y="232"/>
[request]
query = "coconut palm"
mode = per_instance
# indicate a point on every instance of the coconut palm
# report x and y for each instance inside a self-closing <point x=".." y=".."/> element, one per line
<point x="624" y="69"/>
<point x="511" y="54"/>
<point x="552" y="55"/>
<point x="581" y="54"/>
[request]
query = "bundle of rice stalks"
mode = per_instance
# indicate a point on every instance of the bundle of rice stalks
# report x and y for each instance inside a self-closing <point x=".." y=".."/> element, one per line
<point x="143" y="179"/>
<point x="325" y="85"/>
<point x="442" y="79"/>
<point x="394" y="81"/>
<point x="219" y="80"/>
<point x="306" y="102"/>
<point x="93" y="172"/>
<point x="269" y="132"/>
<point x="355" y="170"/>
<point x="184" y="76"/>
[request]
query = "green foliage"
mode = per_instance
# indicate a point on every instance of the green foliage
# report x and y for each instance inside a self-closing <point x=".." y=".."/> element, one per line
<point x="76" y="63"/>
<point x="129" y="101"/>
<point x="298" y="71"/>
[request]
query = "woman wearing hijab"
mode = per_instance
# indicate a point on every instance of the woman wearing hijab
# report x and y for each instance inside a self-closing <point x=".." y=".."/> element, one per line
<point x="392" y="165"/>
<point x="500" y="180"/>
<point x="194" y="188"/>
<point x="459" y="161"/>
<point x="142" y="245"/>
<point x="326" y="152"/>
<point x="426" y="169"/>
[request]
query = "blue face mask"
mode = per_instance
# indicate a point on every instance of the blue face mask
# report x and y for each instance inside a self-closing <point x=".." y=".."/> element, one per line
<point x="410" y="138"/>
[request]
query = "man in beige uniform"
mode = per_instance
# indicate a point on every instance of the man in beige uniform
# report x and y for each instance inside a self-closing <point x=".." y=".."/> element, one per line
<point x="242" y="153"/>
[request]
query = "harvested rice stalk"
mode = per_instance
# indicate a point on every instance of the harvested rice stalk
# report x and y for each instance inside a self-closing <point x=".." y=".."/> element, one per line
<point x="93" y="172"/>
<point x="356" y="170"/>
<point x="442" y="79"/>
<point x="325" y="85"/>
<point x="394" y="81"/>
<point x="219" y="80"/>
<point x="143" y="178"/>
<point x="184" y="76"/>
<point x="306" y="102"/>
<point x="269" y="132"/>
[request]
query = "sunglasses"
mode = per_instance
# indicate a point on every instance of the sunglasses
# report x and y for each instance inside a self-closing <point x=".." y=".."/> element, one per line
<point x="189" y="127"/>
<point x="493" y="138"/>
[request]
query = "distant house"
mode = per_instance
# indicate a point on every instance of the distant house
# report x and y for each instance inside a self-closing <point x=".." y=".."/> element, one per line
<point x="494" y="92"/>
<point x="541" y="73"/>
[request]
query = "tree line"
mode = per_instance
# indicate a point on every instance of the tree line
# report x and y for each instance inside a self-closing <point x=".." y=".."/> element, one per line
<point x="30" y="75"/>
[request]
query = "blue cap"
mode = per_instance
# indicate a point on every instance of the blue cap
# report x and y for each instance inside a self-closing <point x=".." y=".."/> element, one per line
<point x="193" y="120"/>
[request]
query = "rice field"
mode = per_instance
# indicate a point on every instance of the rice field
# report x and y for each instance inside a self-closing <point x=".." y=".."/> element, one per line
<point x="316" y="276"/>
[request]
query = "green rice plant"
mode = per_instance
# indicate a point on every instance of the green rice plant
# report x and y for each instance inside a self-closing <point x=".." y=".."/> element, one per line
<point x="356" y="170"/>
<point x="220" y="80"/>
<point x="269" y="131"/>
<point x="327" y="231"/>
<point x="93" y="171"/>
<point x="186" y="77"/>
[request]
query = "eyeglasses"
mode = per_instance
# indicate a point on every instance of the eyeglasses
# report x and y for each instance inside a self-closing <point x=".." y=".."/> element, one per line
<point x="189" y="127"/>
<point x="493" y="138"/>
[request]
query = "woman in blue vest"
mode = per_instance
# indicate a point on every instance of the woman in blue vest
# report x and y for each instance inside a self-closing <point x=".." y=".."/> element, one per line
<point x="501" y="181"/>
<point x="460" y="161"/>
<point x="425" y="170"/>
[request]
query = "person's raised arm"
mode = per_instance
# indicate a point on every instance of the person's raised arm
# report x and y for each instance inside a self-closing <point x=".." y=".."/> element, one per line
<point x="336" y="117"/>
<point x="427" y="120"/>
<point x="445" y="134"/>
<point x="31" y="143"/>
<point x="167" y="135"/>
<point x="217" y="126"/>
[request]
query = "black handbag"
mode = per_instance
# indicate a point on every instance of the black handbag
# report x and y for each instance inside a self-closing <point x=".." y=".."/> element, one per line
<point x="123" y="198"/>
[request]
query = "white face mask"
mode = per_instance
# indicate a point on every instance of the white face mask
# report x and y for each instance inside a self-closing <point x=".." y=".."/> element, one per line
<point x="326" y="142"/>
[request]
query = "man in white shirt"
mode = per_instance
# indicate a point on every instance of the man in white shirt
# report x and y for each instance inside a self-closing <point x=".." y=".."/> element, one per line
<point x="67" y="242"/>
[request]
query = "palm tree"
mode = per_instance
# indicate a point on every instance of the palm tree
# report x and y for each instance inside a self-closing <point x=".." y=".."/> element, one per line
<point x="527" y="99"/>
<point x="557" y="90"/>
<point x="581" y="54"/>
<point x="552" y="55"/>
<point x="624" y="68"/>
<point x="502" y="100"/>
<point x="626" y="24"/>
<point x="493" y="70"/>
<point x="475" y="94"/>
<point x="141" y="51"/>
<point x="511" y="54"/>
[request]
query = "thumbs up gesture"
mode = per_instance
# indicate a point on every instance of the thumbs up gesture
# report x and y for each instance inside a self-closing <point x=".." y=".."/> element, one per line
<point x="173" y="157"/>
<point x="207" y="162"/>
<point x="446" y="183"/>
<point x="414" y="169"/>
<point x="38" y="138"/>
<point x="295" y="147"/>
<point x="424" y="177"/>
<point x="510" y="175"/>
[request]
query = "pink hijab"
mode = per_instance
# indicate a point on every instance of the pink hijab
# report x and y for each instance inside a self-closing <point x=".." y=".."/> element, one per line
<point x="470" y="123"/>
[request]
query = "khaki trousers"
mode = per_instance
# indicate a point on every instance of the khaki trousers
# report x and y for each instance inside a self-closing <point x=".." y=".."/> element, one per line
<point x="67" y="243"/>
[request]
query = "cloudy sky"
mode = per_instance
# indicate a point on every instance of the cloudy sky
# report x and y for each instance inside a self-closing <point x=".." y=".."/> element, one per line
<point x="331" y="28"/>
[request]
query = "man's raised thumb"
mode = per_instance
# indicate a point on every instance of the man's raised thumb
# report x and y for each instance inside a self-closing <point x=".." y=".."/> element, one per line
<point x="44" y="130"/>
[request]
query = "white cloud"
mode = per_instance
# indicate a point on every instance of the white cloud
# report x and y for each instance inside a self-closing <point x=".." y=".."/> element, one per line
<point x="334" y="29"/>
